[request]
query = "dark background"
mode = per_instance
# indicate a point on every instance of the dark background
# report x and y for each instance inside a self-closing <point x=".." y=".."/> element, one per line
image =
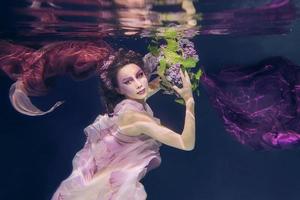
<point x="36" y="152"/>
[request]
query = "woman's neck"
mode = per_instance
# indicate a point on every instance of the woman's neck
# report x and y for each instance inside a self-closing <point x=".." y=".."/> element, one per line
<point x="141" y="101"/>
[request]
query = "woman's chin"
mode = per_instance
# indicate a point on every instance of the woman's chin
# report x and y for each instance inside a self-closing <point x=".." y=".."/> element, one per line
<point x="139" y="97"/>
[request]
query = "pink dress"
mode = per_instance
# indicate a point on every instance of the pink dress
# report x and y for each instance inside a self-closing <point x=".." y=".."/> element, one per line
<point x="111" y="164"/>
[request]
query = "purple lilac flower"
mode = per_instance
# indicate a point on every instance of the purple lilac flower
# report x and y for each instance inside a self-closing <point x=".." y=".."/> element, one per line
<point x="185" y="43"/>
<point x="188" y="49"/>
<point x="173" y="75"/>
<point x="151" y="63"/>
<point x="172" y="72"/>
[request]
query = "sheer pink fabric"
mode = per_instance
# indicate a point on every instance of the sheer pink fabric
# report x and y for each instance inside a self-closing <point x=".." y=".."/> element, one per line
<point x="111" y="164"/>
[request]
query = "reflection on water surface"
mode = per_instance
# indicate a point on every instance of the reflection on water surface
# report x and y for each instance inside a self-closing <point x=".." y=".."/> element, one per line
<point x="77" y="19"/>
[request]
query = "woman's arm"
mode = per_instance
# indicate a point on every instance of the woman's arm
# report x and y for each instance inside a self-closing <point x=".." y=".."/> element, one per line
<point x="135" y="123"/>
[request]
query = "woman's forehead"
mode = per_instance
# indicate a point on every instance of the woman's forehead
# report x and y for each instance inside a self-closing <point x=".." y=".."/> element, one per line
<point x="128" y="70"/>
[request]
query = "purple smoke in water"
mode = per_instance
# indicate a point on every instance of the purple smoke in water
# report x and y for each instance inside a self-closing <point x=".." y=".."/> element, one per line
<point x="259" y="105"/>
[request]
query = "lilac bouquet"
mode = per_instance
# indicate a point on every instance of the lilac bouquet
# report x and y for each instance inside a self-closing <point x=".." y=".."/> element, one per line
<point x="169" y="53"/>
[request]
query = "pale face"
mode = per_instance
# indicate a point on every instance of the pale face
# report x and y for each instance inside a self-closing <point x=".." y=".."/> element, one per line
<point x="131" y="80"/>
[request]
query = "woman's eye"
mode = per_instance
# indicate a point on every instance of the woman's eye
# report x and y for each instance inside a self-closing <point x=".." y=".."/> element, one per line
<point x="127" y="82"/>
<point x="141" y="74"/>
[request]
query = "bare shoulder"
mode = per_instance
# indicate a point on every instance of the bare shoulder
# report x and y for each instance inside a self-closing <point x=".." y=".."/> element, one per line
<point x="131" y="117"/>
<point x="131" y="122"/>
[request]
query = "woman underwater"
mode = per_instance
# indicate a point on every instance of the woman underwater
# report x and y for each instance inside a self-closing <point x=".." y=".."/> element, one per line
<point x="121" y="145"/>
<point x="120" y="149"/>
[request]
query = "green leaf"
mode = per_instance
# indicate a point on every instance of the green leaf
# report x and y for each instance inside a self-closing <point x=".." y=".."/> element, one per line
<point x="172" y="57"/>
<point x="153" y="47"/>
<point x="198" y="74"/>
<point x="189" y="63"/>
<point x="162" y="66"/>
<point x="180" y="101"/>
<point x="154" y="50"/>
<point x="172" y="45"/>
<point x="170" y="33"/>
<point x="194" y="86"/>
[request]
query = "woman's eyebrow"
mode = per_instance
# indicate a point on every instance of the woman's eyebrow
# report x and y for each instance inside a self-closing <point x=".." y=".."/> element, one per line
<point x="127" y="78"/>
<point x="139" y="71"/>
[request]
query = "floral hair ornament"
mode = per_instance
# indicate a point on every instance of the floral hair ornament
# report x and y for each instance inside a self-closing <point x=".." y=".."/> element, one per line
<point x="103" y="71"/>
<point x="170" y="51"/>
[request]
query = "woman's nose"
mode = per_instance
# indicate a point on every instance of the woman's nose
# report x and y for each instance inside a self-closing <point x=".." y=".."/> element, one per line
<point x="138" y="84"/>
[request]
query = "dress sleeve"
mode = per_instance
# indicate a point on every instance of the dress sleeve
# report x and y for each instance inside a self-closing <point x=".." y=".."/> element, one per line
<point x="97" y="130"/>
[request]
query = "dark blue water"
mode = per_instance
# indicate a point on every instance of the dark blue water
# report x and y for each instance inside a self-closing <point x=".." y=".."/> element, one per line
<point x="37" y="151"/>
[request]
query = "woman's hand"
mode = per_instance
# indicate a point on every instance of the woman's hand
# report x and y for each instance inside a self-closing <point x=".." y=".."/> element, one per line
<point x="154" y="87"/>
<point x="186" y="91"/>
<point x="155" y="83"/>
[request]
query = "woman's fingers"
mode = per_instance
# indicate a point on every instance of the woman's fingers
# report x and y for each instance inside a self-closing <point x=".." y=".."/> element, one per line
<point x="181" y="73"/>
<point x="183" y="78"/>
<point x="186" y="91"/>
<point x="187" y="78"/>
<point x="176" y="89"/>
